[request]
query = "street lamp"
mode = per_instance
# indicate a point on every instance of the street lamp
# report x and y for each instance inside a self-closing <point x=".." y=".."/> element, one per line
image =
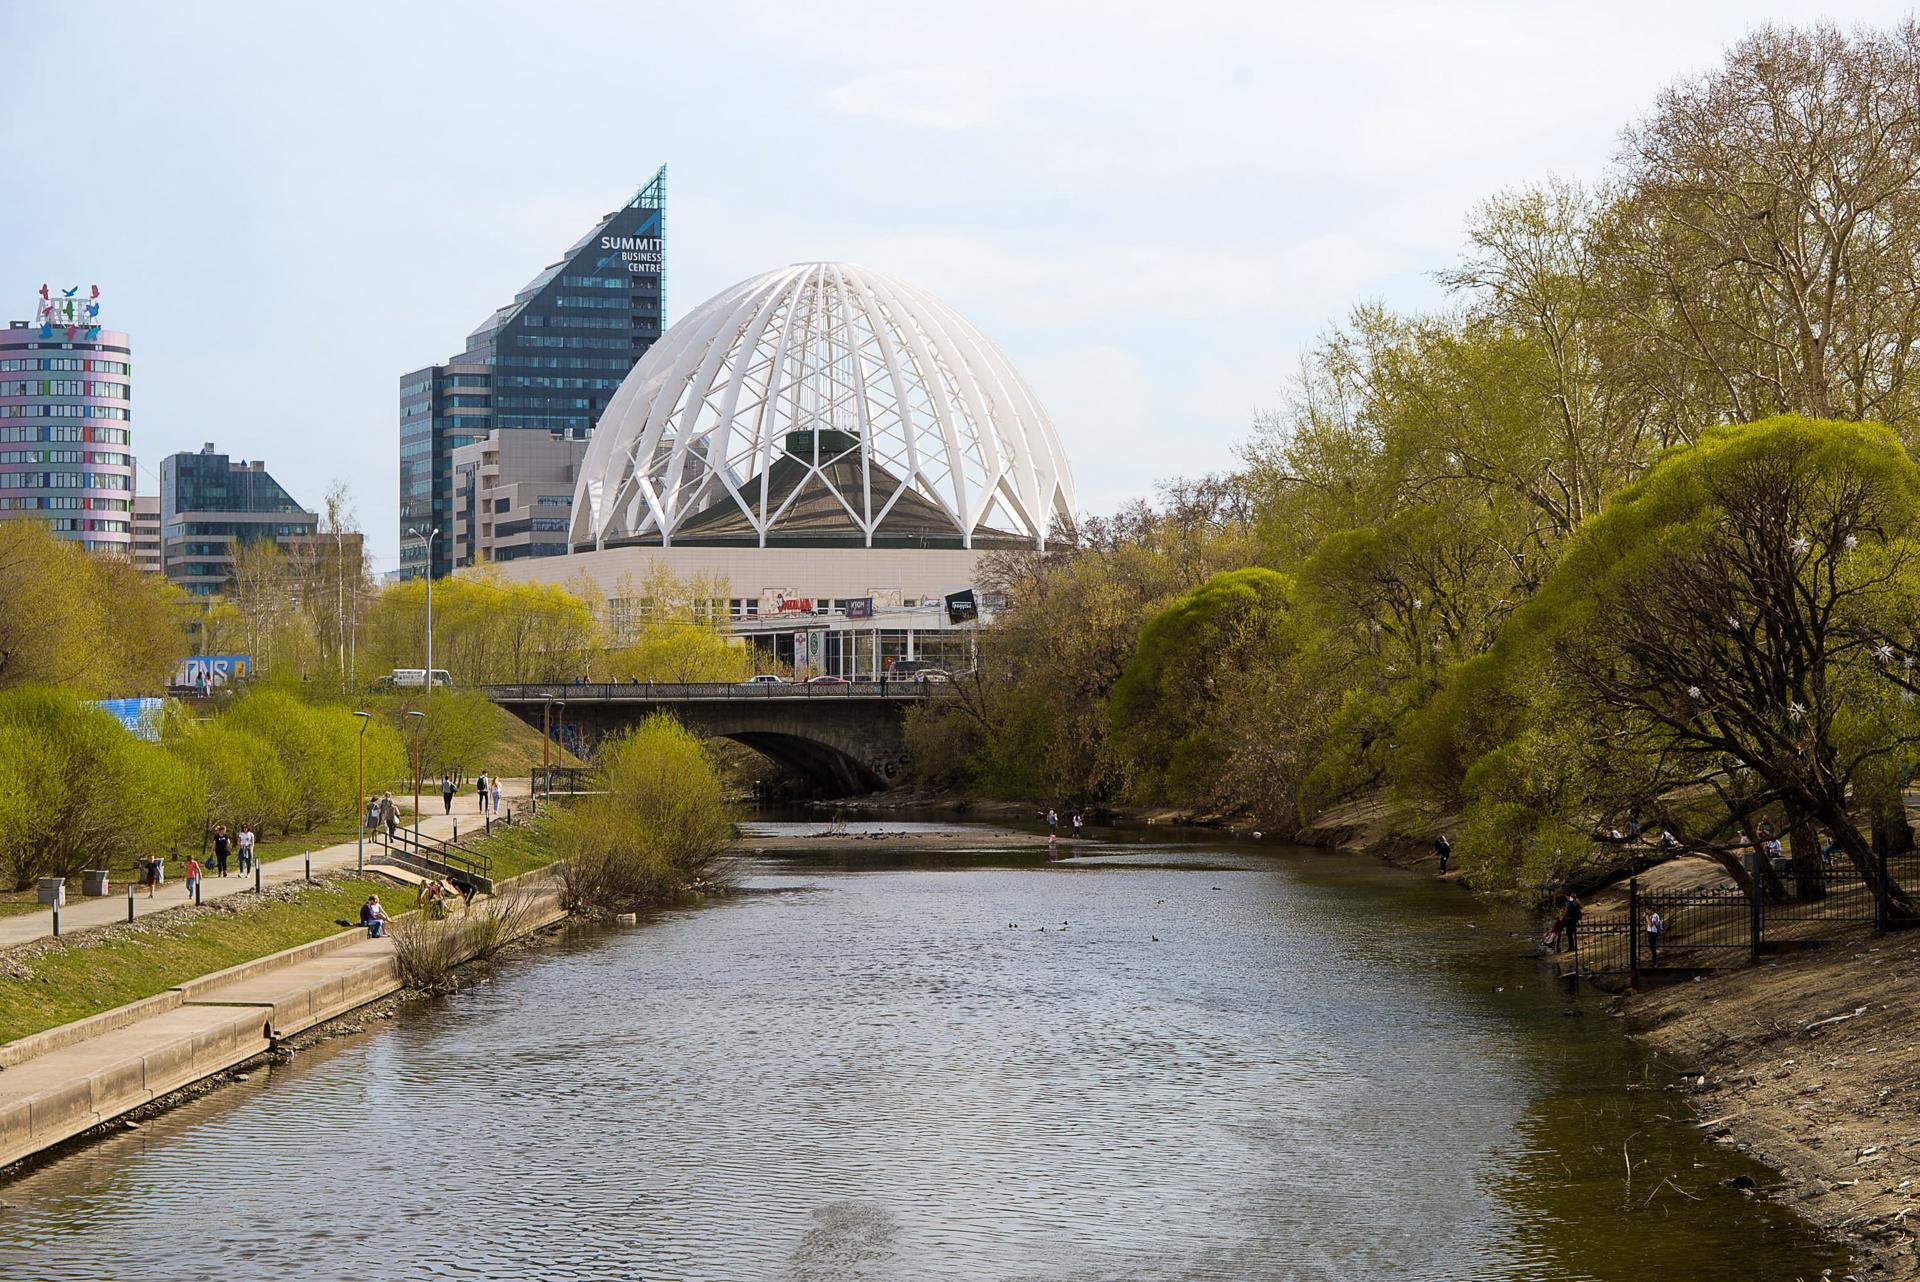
<point x="413" y="532"/>
<point x="360" y="798"/>
<point x="419" y="722"/>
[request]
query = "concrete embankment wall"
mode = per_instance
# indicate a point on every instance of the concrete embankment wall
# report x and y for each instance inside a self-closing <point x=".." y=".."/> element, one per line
<point x="68" y="1080"/>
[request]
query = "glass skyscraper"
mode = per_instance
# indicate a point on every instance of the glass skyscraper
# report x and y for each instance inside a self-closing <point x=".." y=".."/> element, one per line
<point x="547" y="362"/>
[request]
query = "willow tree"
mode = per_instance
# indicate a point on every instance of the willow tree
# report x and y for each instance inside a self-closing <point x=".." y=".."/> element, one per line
<point x="1721" y="630"/>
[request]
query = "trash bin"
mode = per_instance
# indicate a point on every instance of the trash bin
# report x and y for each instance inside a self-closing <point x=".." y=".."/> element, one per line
<point x="94" y="881"/>
<point x="53" y="892"/>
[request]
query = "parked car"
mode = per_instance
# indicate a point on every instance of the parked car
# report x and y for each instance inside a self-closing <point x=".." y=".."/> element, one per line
<point x="765" y="679"/>
<point x="826" y="681"/>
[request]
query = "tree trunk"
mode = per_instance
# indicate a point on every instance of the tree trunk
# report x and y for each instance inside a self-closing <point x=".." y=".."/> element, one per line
<point x="1803" y="843"/>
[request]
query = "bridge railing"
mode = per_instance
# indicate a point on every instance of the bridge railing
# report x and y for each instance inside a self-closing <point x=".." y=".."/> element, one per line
<point x="905" y="688"/>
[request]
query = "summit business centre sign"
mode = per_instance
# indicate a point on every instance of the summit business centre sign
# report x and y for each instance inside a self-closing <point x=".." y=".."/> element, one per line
<point x="641" y="254"/>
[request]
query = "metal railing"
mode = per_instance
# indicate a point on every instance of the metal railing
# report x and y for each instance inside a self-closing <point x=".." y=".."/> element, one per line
<point x="683" y="692"/>
<point x="1721" y="926"/>
<point x="423" y="853"/>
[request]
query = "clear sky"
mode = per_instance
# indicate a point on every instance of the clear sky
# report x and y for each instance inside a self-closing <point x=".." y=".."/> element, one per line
<point x="1153" y="208"/>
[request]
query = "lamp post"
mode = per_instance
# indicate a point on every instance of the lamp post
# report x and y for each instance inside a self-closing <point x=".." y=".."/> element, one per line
<point x="431" y="536"/>
<point x="419" y="721"/>
<point x="360" y="796"/>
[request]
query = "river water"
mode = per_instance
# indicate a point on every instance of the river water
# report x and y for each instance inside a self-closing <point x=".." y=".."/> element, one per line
<point x="1178" y="1060"/>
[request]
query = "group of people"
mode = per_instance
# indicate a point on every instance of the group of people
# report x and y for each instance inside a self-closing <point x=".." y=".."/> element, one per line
<point x="227" y="847"/>
<point x="1053" y="822"/>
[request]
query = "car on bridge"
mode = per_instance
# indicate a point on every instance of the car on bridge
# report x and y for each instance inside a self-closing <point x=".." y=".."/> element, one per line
<point x="826" y="681"/>
<point x="765" y="679"/>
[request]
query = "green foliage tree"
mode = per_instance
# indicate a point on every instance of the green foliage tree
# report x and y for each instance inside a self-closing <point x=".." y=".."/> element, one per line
<point x="81" y="791"/>
<point x="1724" y="629"/>
<point x="660" y="824"/>
<point x="88" y="621"/>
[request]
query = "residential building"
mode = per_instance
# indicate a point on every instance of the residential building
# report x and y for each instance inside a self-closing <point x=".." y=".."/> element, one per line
<point x="548" y="363"/>
<point x="513" y="496"/>
<point x="146" y="533"/>
<point x="211" y="506"/>
<point x="66" y="454"/>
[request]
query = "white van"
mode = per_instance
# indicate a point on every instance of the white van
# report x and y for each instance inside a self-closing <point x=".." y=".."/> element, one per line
<point x="416" y="678"/>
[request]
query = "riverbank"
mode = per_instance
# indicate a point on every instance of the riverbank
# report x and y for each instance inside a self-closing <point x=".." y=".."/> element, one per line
<point x="1809" y="1063"/>
<point x="73" y="1079"/>
<point x="1812" y="1065"/>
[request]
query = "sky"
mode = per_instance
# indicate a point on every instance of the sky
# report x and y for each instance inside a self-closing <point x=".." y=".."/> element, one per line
<point x="1155" y="210"/>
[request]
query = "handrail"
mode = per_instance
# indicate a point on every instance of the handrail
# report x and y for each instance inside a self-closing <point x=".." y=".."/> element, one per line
<point x="427" y="848"/>
<point x="681" y="692"/>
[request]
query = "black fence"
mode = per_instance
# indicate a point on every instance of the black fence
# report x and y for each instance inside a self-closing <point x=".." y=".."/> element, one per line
<point x="1708" y="927"/>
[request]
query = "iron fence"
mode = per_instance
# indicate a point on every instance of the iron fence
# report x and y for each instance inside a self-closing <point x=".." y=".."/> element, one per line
<point x="1704" y="928"/>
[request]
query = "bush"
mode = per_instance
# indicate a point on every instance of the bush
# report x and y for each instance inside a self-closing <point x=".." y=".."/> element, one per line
<point x="660" y="825"/>
<point x="80" y="792"/>
<point x="431" y="949"/>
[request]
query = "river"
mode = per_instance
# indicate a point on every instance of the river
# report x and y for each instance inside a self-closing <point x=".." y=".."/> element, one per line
<point x="1182" y="1059"/>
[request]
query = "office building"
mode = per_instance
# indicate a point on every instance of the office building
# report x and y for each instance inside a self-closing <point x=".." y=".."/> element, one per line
<point x="513" y="496"/>
<point x="548" y="362"/>
<point x="146" y="533"/>
<point x="66" y="453"/>
<point x="211" y="506"/>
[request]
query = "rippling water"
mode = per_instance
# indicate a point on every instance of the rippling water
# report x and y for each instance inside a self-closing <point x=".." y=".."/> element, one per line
<point x="877" y="1066"/>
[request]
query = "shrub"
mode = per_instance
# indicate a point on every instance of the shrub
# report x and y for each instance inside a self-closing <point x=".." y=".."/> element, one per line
<point x="80" y="791"/>
<point x="659" y="826"/>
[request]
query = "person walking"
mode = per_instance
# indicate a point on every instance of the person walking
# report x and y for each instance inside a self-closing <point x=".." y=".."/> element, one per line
<point x="1076" y="825"/>
<point x="1570" y="923"/>
<point x="152" y="875"/>
<point x="246" y="849"/>
<point x="222" y="848"/>
<point x="193" y="875"/>
<point x="1443" y="850"/>
<point x="390" y="814"/>
<point x="446" y="791"/>
<point x="496" y="794"/>
<point x="480" y="787"/>
<point x="1655" y="929"/>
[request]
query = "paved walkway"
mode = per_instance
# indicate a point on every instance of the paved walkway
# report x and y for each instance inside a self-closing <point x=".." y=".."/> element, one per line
<point x="89" y="913"/>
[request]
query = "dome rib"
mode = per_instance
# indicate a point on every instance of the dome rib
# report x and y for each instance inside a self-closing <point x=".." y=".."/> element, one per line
<point x="823" y="404"/>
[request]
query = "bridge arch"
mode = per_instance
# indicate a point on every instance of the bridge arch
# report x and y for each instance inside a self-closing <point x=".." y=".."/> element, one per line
<point x="842" y="739"/>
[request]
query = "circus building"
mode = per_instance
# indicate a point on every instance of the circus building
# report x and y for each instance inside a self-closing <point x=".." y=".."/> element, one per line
<point x="827" y="440"/>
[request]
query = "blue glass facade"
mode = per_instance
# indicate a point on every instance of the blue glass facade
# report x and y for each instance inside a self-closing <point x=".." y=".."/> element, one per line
<point x="549" y="361"/>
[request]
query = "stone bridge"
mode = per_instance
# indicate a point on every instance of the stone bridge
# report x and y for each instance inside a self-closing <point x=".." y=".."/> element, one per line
<point x="843" y="738"/>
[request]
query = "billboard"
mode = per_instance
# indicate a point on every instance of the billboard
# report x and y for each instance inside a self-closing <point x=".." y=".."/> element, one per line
<point x="210" y="670"/>
<point x="141" y="716"/>
<point x="860" y="607"/>
<point x="961" y="606"/>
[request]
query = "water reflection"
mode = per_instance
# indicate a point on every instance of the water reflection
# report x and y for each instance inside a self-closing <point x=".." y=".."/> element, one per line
<point x="1291" y="1067"/>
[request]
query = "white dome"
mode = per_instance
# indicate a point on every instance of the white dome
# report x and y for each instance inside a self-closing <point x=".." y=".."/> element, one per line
<point x="822" y="405"/>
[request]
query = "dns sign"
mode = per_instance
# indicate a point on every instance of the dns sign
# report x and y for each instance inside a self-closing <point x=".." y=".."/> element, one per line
<point x="70" y="311"/>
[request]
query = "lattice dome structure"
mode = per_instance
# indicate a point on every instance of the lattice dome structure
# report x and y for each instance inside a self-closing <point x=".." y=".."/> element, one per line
<point x="822" y="405"/>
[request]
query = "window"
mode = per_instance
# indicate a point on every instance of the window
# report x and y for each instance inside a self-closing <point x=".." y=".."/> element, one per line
<point x="503" y="505"/>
